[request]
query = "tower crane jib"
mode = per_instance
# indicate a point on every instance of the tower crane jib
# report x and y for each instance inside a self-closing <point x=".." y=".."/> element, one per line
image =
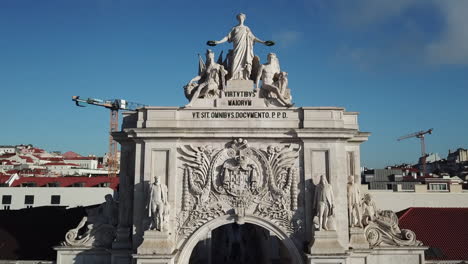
<point x="114" y="105"/>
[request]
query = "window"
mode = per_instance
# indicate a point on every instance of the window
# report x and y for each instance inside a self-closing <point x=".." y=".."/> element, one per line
<point x="440" y="187"/>
<point x="28" y="184"/>
<point x="78" y="184"/>
<point x="103" y="184"/>
<point x="29" y="199"/>
<point x="390" y="186"/>
<point x="53" y="184"/>
<point x="55" y="199"/>
<point x="6" y="199"/>
<point x="6" y="207"/>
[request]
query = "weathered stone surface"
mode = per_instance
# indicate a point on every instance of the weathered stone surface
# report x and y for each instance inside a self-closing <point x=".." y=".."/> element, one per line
<point x="156" y="243"/>
<point x="357" y="238"/>
<point x="326" y="242"/>
<point x="82" y="255"/>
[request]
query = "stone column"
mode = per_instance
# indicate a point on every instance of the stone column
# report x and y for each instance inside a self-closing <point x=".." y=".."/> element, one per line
<point x="127" y="168"/>
<point x="122" y="246"/>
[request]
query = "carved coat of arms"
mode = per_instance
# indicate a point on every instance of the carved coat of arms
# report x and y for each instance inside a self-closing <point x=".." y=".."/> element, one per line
<point x="240" y="176"/>
<point x="254" y="181"/>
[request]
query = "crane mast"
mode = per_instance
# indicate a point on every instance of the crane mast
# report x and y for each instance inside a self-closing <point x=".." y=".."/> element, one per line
<point x="421" y="136"/>
<point x="114" y="105"/>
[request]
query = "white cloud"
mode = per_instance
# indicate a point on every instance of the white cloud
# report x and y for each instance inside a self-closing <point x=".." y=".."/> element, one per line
<point x="372" y="12"/>
<point x="452" y="45"/>
<point x="413" y="41"/>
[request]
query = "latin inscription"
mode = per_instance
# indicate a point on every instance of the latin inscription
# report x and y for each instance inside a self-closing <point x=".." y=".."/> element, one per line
<point x="239" y="94"/>
<point x="240" y="102"/>
<point x="240" y="114"/>
<point x="241" y="98"/>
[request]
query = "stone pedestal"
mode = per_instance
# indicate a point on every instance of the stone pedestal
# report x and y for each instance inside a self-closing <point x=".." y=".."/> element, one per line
<point x="239" y="85"/>
<point x="82" y="255"/>
<point x="325" y="242"/>
<point x="327" y="259"/>
<point x="154" y="259"/>
<point x="157" y="247"/>
<point x="357" y="238"/>
<point x="387" y="255"/>
<point x="156" y="243"/>
<point x="326" y="249"/>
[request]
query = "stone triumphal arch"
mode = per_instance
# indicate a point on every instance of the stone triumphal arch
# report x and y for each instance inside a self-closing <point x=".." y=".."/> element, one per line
<point x="240" y="153"/>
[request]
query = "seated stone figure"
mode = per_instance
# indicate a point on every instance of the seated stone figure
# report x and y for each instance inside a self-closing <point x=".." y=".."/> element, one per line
<point x="274" y="81"/>
<point x="208" y="82"/>
<point x="100" y="228"/>
<point x="381" y="227"/>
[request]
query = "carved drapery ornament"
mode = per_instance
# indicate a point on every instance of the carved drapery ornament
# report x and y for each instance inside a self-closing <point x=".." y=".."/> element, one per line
<point x="238" y="180"/>
<point x="381" y="227"/>
<point x="97" y="229"/>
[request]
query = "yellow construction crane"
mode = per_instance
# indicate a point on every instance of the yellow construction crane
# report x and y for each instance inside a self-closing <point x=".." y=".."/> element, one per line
<point x="420" y="135"/>
<point x="114" y="105"/>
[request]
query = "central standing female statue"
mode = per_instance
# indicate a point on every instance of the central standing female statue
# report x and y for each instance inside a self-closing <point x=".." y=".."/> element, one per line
<point x="240" y="59"/>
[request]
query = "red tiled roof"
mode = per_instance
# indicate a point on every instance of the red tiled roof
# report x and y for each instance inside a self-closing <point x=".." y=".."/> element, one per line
<point x="7" y="155"/>
<point x="60" y="164"/>
<point x="7" y="162"/>
<point x="444" y="229"/>
<point x="51" y="158"/>
<point x="70" y="154"/>
<point x="79" y="158"/>
<point x="38" y="150"/>
<point x="65" y="181"/>
<point x="28" y="159"/>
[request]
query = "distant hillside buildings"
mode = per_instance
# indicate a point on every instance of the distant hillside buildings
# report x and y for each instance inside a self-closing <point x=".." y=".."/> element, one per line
<point x="29" y="161"/>
<point x="69" y="177"/>
<point x="442" y="175"/>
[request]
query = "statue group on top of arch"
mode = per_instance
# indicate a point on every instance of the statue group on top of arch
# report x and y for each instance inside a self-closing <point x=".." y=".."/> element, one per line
<point x="239" y="64"/>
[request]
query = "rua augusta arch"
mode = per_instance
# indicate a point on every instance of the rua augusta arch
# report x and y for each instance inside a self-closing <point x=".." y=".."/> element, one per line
<point x="241" y="153"/>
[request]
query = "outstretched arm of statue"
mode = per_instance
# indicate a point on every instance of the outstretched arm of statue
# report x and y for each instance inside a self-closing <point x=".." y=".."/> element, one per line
<point x="216" y="42"/>
<point x="267" y="43"/>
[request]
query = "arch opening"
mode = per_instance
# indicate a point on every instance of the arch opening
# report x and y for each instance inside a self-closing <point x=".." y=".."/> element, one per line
<point x="234" y="244"/>
<point x="273" y="242"/>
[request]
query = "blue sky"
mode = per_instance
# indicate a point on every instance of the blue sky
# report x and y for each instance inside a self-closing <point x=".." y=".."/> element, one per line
<point x="403" y="64"/>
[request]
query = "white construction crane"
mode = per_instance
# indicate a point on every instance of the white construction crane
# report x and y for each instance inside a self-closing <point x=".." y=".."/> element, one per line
<point x="420" y="135"/>
<point x="114" y="105"/>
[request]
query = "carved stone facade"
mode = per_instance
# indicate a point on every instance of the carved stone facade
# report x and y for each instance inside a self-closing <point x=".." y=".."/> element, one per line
<point x="242" y="154"/>
<point x="239" y="180"/>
